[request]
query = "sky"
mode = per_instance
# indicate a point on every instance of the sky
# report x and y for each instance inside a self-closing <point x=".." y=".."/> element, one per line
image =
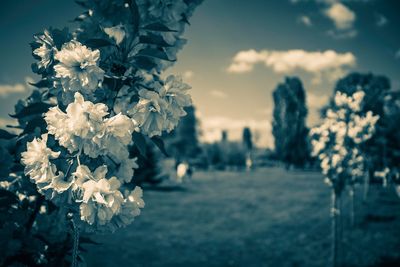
<point x="237" y="53"/>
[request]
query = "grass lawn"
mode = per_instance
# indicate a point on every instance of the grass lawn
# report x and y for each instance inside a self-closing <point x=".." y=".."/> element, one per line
<point x="268" y="217"/>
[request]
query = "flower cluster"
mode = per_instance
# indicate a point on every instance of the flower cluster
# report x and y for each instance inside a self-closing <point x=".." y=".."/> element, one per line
<point x="160" y="110"/>
<point x="336" y="141"/>
<point x="103" y="83"/>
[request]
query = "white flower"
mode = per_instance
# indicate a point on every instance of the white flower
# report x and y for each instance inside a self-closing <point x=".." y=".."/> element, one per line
<point x="150" y="112"/>
<point x="130" y="208"/>
<point x="79" y="126"/>
<point x="126" y="169"/>
<point x="39" y="168"/>
<point x="175" y="92"/>
<point x="100" y="197"/>
<point x="78" y="67"/>
<point x="45" y="51"/>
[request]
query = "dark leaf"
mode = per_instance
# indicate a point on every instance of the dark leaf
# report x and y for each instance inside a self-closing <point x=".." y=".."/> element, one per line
<point x="35" y="122"/>
<point x="154" y="53"/>
<point x="96" y="43"/>
<point x="185" y="19"/>
<point x="6" y="135"/>
<point x="34" y="108"/>
<point x="159" y="27"/>
<point x="7" y="198"/>
<point x="140" y="143"/>
<point x="145" y="63"/>
<point x="154" y="39"/>
<point x="160" y="144"/>
<point x="82" y="16"/>
<point x="87" y="240"/>
<point x="83" y="4"/>
<point x="42" y="84"/>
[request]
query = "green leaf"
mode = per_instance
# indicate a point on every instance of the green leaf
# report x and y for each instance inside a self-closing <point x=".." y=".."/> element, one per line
<point x="140" y="142"/>
<point x="159" y="27"/>
<point x="160" y="144"/>
<point x="154" y="53"/>
<point x="97" y="43"/>
<point x="6" y="135"/>
<point x="32" y="109"/>
<point x="154" y="39"/>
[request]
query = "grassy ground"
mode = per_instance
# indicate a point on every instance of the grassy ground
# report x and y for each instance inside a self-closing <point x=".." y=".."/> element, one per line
<point x="268" y="217"/>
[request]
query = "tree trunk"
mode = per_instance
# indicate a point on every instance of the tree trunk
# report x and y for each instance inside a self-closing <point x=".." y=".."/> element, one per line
<point x="335" y="224"/>
<point x="366" y="186"/>
<point x="352" y="209"/>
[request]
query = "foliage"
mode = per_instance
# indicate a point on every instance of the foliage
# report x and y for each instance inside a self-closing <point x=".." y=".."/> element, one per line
<point x="100" y="95"/>
<point x="183" y="142"/>
<point x="337" y="141"/>
<point x="289" y="122"/>
<point x="247" y="139"/>
<point x="375" y="88"/>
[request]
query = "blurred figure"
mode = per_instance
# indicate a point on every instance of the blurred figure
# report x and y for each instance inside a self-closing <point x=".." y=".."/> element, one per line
<point x="183" y="171"/>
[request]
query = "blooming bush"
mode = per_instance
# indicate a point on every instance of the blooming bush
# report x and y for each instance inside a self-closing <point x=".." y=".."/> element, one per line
<point x="337" y="141"/>
<point x="101" y="93"/>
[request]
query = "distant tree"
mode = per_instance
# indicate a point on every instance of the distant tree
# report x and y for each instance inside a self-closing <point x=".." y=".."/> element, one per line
<point x="289" y="122"/>
<point x="183" y="142"/>
<point x="247" y="139"/>
<point x="224" y="136"/>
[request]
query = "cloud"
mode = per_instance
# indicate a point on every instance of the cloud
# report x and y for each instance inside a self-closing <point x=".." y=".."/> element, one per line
<point x="381" y="20"/>
<point x="316" y="101"/>
<point x="343" y="19"/>
<point x="305" y="20"/>
<point x="188" y="75"/>
<point x="212" y="128"/>
<point x="315" y="62"/>
<point x="218" y="94"/>
<point x="7" y="121"/>
<point x="7" y="89"/>
<point x="342" y="34"/>
<point x="17" y="88"/>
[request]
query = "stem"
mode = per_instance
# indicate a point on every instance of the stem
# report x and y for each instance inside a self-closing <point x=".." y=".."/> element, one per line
<point x="334" y="215"/>
<point x="75" y="249"/>
<point x="35" y="212"/>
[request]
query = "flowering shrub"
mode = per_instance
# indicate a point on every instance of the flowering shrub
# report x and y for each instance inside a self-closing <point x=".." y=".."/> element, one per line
<point x="336" y="142"/>
<point x="101" y="92"/>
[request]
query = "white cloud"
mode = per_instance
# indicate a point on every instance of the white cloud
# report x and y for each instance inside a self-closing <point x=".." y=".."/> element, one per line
<point x="188" y="75"/>
<point x="315" y="62"/>
<point x="381" y="20"/>
<point x="7" y="89"/>
<point x="316" y="101"/>
<point x="218" y="94"/>
<point x="213" y="126"/>
<point x="7" y="121"/>
<point x="17" y="88"/>
<point x="343" y="19"/>
<point x="305" y="20"/>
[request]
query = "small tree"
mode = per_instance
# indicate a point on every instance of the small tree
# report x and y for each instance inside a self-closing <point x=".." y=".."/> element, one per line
<point x="337" y="142"/>
<point x="375" y="88"/>
<point x="289" y="122"/>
